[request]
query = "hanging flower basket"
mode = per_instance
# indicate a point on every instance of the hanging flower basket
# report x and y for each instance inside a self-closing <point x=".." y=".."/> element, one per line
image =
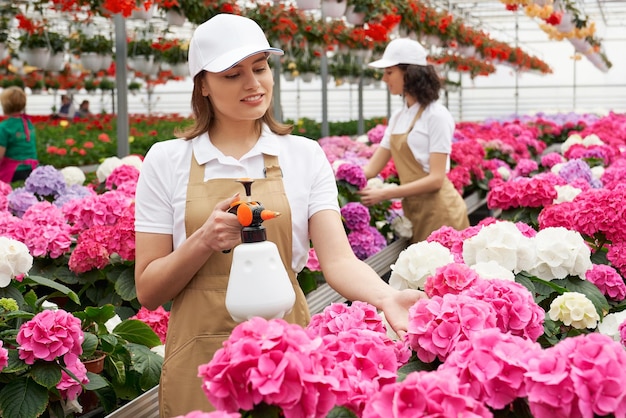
<point x="333" y="8"/>
<point x="354" y="18"/>
<point x="142" y="14"/>
<point x="91" y="61"/>
<point x="56" y="62"/>
<point x="175" y="18"/>
<point x="37" y="57"/>
<point x="308" y="4"/>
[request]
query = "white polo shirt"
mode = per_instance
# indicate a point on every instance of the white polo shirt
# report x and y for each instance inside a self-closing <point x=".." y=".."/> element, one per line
<point x="308" y="179"/>
<point x="432" y="132"/>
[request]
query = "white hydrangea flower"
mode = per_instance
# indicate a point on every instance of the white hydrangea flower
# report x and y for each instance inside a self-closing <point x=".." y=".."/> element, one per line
<point x="159" y="349"/>
<point x="15" y="260"/>
<point x="338" y="164"/>
<point x="112" y="323"/>
<point x="610" y="325"/>
<point x="416" y="263"/>
<point x="402" y="226"/>
<point x="363" y="139"/>
<point x="575" y="309"/>
<point x="501" y="242"/>
<point x="493" y="270"/>
<point x="106" y="168"/>
<point x="73" y="175"/>
<point x="565" y="193"/>
<point x="597" y="172"/>
<point x="560" y="253"/>
<point x="504" y="172"/>
<point x="133" y="160"/>
<point x="375" y="183"/>
<point x="556" y="168"/>
<point x="591" y="140"/>
<point x="571" y="140"/>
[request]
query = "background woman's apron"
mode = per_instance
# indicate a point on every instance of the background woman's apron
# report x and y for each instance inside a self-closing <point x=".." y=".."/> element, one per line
<point x="430" y="211"/>
<point x="199" y="322"/>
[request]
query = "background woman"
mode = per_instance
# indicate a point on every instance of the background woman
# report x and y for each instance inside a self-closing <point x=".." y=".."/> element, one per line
<point x="419" y="138"/>
<point x="186" y="187"/>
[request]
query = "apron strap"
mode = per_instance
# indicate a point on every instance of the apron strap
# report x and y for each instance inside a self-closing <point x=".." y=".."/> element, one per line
<point x="415" y="119"/>
<point x="272" y="169"/>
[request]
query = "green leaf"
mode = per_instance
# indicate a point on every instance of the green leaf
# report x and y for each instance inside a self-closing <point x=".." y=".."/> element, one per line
<point x="11" y="292"/>
<point x="46" y="374"/>
<point x="125" y="285"/>
<point x="44" y="281"/>
<point x="90" y="344"/>
<point x="138" y="332"/>
<point x="341" y="412"/>
<point x="65" y="275"/>
<point x="416" y="365"/>
<point x="23" y="398"/>
<point x="15" y="365"/>
<point x="526" y="282"/>
<point x="95" y="381"/>
<point x="147" y="363"/>
<point x="599" y="257"/>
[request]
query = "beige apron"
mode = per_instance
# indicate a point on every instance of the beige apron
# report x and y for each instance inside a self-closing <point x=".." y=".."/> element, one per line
<point x="199" y="322"/>
<point x="430" y="211"/>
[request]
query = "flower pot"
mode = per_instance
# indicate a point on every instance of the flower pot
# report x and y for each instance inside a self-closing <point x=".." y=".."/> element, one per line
<point x="37" y="57"/>
<point x="355" y="18"/>
<point x="580" y="45"/>
<point x="567" y="23"/>
<point x="95" y="365"/>
<point x="179" y="70"/>
<point x="175" y="18"/>
<point x="289" y="76"/>
<point x="307" y="77"/>
<point x="107" y="60"/>
<point x="467" y="51"/>
<point x="91" y="61"/>
<point x="432" y="40"/>
<point x="3" y="49"/>
<point x="142" y="14"/>
<point x="334" y="8"/>
<point x="56" y="62"/>
<point x="308" y="4"/>
<point x="143" y="64"/>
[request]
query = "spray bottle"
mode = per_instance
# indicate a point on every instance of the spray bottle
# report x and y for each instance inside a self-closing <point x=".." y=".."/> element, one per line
<point x="258" y="284"/>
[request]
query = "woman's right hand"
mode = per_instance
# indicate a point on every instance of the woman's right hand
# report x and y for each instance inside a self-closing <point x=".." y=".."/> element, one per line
<point x="222" y="231"/>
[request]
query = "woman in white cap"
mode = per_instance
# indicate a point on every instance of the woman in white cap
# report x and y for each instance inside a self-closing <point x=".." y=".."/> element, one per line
<point x="419" y="139"/>
<point x="187" y="184"/>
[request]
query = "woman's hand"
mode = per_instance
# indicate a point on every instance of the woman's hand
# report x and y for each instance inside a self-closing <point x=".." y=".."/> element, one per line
<point x="222" y="231"/>
<point x="396" y="308"/>
<point x="371" y="196"/>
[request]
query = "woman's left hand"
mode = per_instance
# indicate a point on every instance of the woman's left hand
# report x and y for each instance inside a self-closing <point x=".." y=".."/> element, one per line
<point x="396" y="308"/>
<point x="371" y="196"/>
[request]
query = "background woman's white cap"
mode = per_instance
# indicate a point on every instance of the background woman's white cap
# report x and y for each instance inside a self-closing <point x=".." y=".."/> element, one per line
<point x="224" y="40"/>
<point x="402" y="51"/>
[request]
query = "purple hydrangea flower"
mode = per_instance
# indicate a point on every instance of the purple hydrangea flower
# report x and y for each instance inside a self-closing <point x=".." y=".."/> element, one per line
<point x="576" y="169"/>
<point x="352" y="174"/>
<point x="45" y="180"/>
<point x="355" y="215"/>
<point x="366" y="242"/>
<point x="75" y="191"/>
<point x="20" y="200"/>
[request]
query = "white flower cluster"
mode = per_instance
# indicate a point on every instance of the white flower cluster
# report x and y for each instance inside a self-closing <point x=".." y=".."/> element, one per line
<point x="573" y="308"/>
<point x="107" y="166"/>
<point x="587" y="141"/>
<point x="15" y="260"/>
<point x="73" y="175"/>
<point x="417" y="262"/>
<point x="554" y="253"/>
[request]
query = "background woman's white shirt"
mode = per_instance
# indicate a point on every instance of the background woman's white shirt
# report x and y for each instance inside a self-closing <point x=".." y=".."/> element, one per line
<point x="308" y="179"/>
<point x="432" y="132"/>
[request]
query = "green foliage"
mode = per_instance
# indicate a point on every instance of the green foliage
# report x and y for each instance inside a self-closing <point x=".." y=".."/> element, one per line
<point x="140" y="47"/>
<point x="174" y="55"/>
<point x="96" y="43"/>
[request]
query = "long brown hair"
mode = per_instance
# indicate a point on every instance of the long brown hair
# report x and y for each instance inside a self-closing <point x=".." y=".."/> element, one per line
<point x="204" y="115"/>
<point x="421" y="82"/>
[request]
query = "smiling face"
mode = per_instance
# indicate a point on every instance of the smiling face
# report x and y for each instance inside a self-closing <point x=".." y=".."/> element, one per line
<point x="243" y="92"/>
<point x="394" y="78"/>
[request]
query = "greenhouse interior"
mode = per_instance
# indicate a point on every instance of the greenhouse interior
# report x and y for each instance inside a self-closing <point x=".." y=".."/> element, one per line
<point x="515" y="309"/>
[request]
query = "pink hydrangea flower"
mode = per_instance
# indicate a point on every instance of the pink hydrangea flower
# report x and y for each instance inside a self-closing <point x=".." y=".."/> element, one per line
<point x="425" y="394"/>
<point x="451" y="278"/>
<point x="158" y="320"/>
<point x="622" y="333"/>
<point x="516" y="310"/>
<point x="339" y="317"/>
<point x="493" y="364"/>
<point x="278" y="363"/>
<point x="214" y="414"/>
<point x="122" y="174"/>
<point x="450" y="238"/>
<point x="68" y="386"/>
<point x="608" y="281"/>
<point x="48" y="335"/>
<point x="438" y="324"/>
<point x="313" y="263"/>
<point x="551" y="159"/>
<point x="4" y="356"/>
<point x="91" y="251"/>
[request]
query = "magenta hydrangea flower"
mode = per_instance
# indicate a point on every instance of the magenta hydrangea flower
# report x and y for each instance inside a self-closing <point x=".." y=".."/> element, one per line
<point x="426" y="394"/>
<point x="122" y="235"/>
<point x="312" y="262"/>
<point x="608" y="281"/>
<point x="352" y="174"/>
<point x="375" y="135"/>
<point x="122" y="174"/>
<point x="69" y="387"/>
<point x="366" y="242"/>
<point x="214" y="414"/>
<point x="622" y="333"/>
<point x="525" y="167"/>
<point x="91" y="251"/>
<point x="516" y="310"/>
<point x="451" y="278"/>
<point x="438" y="324"/>
<point x="158" y="320"/>
<point x="4" y="356"/>
<point x="450" y="238"/>
<point x="551" y="159"/>
<point x="355" y="215"/>
<point x="46" y="233"/>
<point x="493" y="364"/>
<point x="48" y="335"/>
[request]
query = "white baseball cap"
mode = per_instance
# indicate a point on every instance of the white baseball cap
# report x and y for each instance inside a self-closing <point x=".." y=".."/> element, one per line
<point x="224" y="40"/>
<point x="402" y="51"/>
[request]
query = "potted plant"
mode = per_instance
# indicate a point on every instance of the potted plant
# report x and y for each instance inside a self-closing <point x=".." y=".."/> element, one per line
<point x="142" y="57"/>
<point x="95" y="52"/>
<point x="173" y="12"/>
<point x="174" y="58"/>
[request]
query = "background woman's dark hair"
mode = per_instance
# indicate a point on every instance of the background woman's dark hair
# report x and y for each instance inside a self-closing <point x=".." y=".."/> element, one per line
<point x="203" y="113"/>
<point x="421" y="82"/>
